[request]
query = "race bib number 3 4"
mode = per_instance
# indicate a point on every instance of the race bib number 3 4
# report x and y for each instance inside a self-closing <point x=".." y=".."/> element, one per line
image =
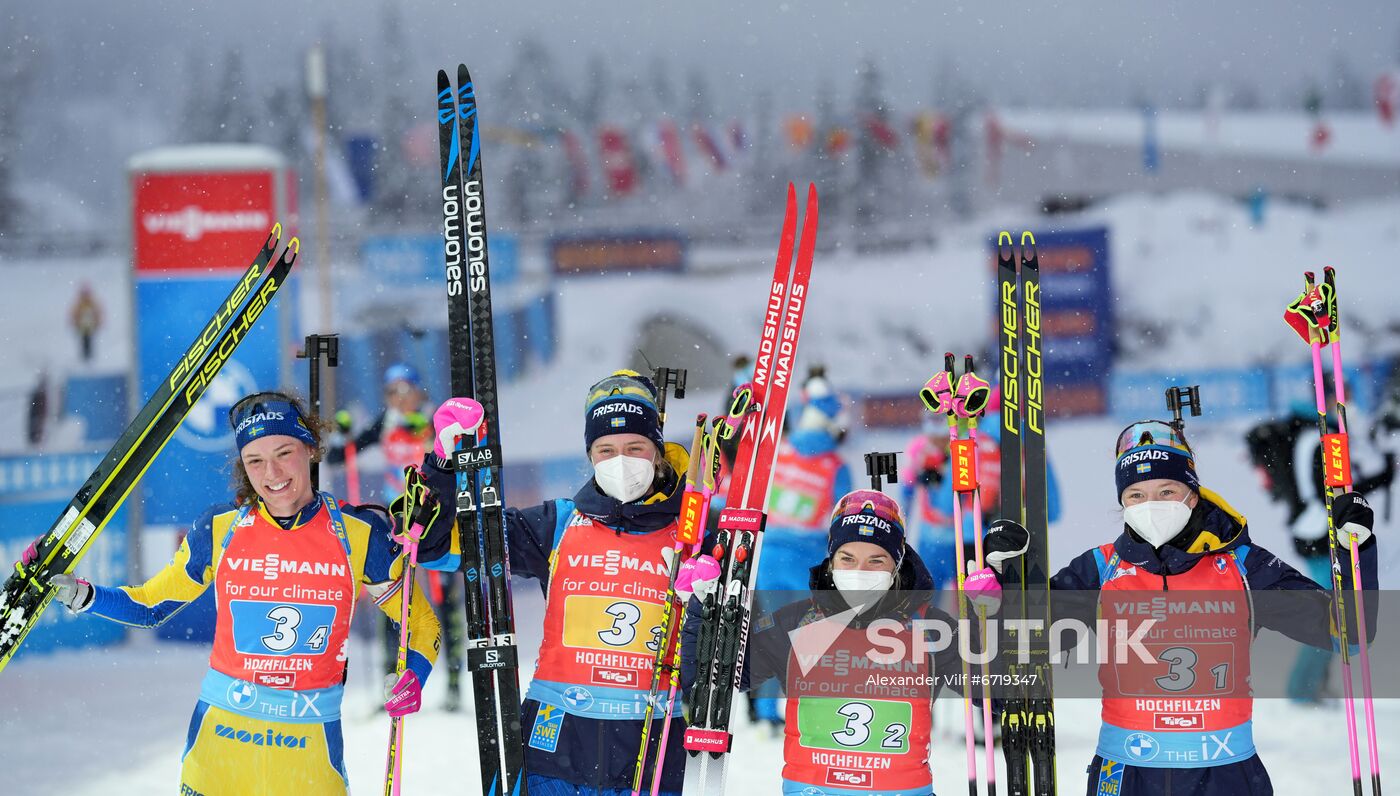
<point x="274" y="628"/>
<point x="855" y="725"/>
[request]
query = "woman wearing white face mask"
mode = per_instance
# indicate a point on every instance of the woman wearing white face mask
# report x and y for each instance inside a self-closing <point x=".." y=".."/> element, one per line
<point x="1178" y="538"/>
<point x="599" y="558"/>
<point x="848" y="731"/>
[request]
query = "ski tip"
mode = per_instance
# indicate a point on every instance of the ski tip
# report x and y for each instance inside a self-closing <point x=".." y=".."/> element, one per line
<point x="294" y="246"/>
<point x="1027" y="237"/>
<point x="811" y="191"/>
<point x="276" y="233"/>
<point x="1004" y="239"/>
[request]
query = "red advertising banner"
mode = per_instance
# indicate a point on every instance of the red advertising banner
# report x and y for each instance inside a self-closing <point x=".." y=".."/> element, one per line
<point x="200" y="221"/>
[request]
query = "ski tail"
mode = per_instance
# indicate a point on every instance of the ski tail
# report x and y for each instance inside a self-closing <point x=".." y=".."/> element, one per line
<point x="1014" y="719"/>
<point x="491" y="651"/>
<point x="1040" y="708"/>
<point x="741" y="524"/>
<point x="27" y="592"/>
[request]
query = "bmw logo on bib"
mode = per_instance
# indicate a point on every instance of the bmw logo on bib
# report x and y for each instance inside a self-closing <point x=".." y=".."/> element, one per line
<point x="1141" y="747"/>
<point x="578" y="697"/>
<point x="242" y="694"/>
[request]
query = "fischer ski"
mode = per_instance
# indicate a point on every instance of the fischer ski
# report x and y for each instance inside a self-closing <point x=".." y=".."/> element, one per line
<point x="725" y="628"/>
<point x="27" y="592"/>
<point x="491" y="650"/>
<point x="1028" y="719"/>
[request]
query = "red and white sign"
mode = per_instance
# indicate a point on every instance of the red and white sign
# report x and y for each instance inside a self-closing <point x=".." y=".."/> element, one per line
<point x="201" y="220"/>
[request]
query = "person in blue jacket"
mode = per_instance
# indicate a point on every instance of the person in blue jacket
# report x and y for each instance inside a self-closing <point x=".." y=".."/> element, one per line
<point x="601" y="559"/>
<point x="1179" y="536"/>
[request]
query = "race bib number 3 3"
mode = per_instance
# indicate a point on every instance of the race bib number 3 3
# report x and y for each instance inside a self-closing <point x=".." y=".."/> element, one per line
<point x="275" y="628"/>
<point x="612" y="624"/>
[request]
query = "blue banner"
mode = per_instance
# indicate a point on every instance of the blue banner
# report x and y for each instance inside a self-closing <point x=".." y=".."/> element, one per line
<point x="192" y="472"/>
<point x="34" y="491"/>
<point x="1076" y="318"/>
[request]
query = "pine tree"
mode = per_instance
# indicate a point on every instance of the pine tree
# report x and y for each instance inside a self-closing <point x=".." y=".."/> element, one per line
<point x="19" y="61"/>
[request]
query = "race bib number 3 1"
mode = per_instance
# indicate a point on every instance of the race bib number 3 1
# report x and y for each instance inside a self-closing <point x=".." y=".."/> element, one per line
<point x="855" y="725"/>
<point x="273" y="628"/>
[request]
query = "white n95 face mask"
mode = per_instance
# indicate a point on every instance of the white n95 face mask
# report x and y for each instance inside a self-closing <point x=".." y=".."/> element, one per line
<point x="625" y="478"/>
<point x="856" y="585"/>
<point x="1157" y="521"/>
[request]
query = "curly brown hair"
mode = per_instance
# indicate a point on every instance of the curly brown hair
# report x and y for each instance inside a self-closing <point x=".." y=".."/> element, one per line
<point x="243" y="492"/>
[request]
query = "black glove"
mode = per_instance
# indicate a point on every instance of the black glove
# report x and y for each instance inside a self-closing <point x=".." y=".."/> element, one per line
<point x="1005" y="540"/>
<point x="930" y="477"/>
<point x="1352" y="515"/>
<point x="442" y="481"/>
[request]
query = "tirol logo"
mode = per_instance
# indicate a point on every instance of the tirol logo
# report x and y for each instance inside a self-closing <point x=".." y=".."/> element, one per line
<point x="849" y="778"/>
<point x="276" y="679"/>
<point x="265" y="738"/>
<point x="622" y="678"/>
<point x="1178" y="721"/>
<point x="191" y="222"/>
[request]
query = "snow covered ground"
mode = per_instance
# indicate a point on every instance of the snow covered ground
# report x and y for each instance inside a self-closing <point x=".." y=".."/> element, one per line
<point x="113" y="722"/>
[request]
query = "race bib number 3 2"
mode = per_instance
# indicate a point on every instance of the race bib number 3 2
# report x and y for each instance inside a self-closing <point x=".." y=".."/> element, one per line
<point x="855" y="725"/>
<point x="274" y="628"/>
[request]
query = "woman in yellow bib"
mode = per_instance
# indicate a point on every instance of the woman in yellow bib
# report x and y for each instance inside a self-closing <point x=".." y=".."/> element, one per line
<point x="286" y="563"/>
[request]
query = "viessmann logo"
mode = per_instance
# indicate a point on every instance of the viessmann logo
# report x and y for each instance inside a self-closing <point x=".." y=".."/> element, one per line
<point x="191" y="222"/>
<point x="273" y="565"/>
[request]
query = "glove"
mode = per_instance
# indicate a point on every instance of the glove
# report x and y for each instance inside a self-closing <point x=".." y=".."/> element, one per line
<point x="698" y="576"/>
<point x="457" y="417"/>
<point x="930" y="477"/>
<point x="1352" y="516"/>
<point x="403" y="694"/>
<point x="30" y="554"/>
<point x="75" y="593"/>
<point x="983" y="589"/>
<point x="1005" y="540"/>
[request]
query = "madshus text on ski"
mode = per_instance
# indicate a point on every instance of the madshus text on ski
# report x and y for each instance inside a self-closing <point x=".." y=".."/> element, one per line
<point x="675" y="578"/>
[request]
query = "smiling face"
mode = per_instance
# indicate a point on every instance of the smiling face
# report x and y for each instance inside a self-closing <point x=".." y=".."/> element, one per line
<point x="862" y="555"/>
<point x="1159" y="489"/>
<point x="279" y="468"/>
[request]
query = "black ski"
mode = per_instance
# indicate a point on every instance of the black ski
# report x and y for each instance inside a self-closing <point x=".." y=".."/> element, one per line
<point x="27" y="592"/>
<point x="1040" y="716"/>
<point x="491" y="652"/>
<point x="1014" y="740"/>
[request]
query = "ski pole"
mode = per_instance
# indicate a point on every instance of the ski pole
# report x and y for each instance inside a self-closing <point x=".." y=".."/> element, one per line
<point x="970" y="401"/>
<point x="937" y="395"/>
<point x="687" y="531"/>
<point x="1363" y="644"/>
<point x="707" y="491"/>
<point x="415" y="501"/>
<point x="1311" y="307"/>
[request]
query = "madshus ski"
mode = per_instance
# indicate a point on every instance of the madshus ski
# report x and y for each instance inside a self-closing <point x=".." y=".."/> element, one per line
<point x="725" y="619"/>
<point x="27" y="592"/>
<point x="1028" y="718"/>
<point x="491" y="649"/>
